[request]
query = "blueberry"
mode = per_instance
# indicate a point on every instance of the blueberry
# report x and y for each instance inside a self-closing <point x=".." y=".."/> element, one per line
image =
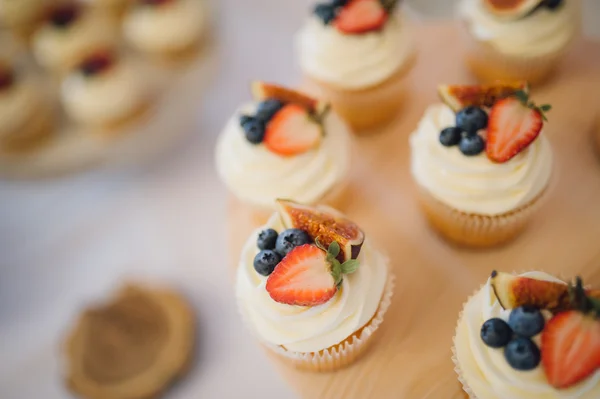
<point x="339" y="3"/>
<point x="245" y="118"/>
<point x="255" y="130"/>
<point x="526" y="321"/>
<point x="471" y="119"/>
<point x="496" y="333"/>
<point x="265" y="262"/>
<point x="471" y="144"/>
<point x="290" y="239"/>
<point x="326" y="12"/>
<point x="553" y="4"/>
<point x="522" y="354"/>
<point x="450" y="136"/>
<point x="267" y="239"/>
<point x="267" y="109"/>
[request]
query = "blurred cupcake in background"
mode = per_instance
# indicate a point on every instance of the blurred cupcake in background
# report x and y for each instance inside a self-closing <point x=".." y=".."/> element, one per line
<point x="518" y="40"/>
<point x="116" y="8"/>
<point x="172" y="29"/>
<point x="26" y="114"/>
<point x="70" y="32"/>
<point x="481" y="162"/>
<point x="357" y="54"/>
<point x="284" y="145"/>
<point x="22" y="16"/>
<point x="106" y="91"/>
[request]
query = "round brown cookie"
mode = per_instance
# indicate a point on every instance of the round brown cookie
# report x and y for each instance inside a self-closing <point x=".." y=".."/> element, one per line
<point x="132" y="347"/>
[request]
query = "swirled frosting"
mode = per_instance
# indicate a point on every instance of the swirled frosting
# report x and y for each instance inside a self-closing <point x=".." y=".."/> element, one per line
<point x="485" y="369"/>
<point x="353" y="62"/>
<point x="475" y="184"/>
<point x="104" y="98"/>
<point x="258" y="176"/>
<point x="543" y="32"/>
<point x="310" y="329"/>
<point x="172" y="26"/>
<point x="17" y="105"/>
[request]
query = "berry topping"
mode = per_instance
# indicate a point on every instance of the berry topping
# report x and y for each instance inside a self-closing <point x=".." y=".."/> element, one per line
<point x="244" y="119"/>
<point x="325" y="225"/>
<point x="496" y="333"/>
<point x="515" y="291"/>
<point x="262" y="91"/>
<point x="326" y="12"/>
<point x="571" y="341"/>
<point x="290" y="239"/>
<point x="471" y="144"/>
<point x="339" y="3"/>
<point x="553" y="4"/>
<point x="471" y="119"/>
<point x="522" y="354"/>
<point x="64" y="15"/>
<point x="267" y="109"/>
<point x="265" y="262"/>
<point x="511" y="9"/>
<point x="267" y="239"/>
<point x="514" y="124"/>
<point x="450" y="136"/>
<point x="97" y="63"/>
<point x="361" y="16"/>
<point x="458" y="97"/>
<point x="7" y="77"/>
<point x="254" y="129"/>
<point x="526" y="321"/>
<point x="292" y="131"/>
<point x="308" y="276"/>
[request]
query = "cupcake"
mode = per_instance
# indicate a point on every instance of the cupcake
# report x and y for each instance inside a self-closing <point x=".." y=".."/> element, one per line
<point x="284" y="145"/>
<point x="105" y="91"/>
<point x="524" y="39"/>
<point x="26" y="114"/>
<point x="481" y="163"/>
<point x="71" y="32"/>
<point x="529" y="336"/>
<point x="22" y="16"/>
<point x="116" y="8"/>
<point x="357" y="53"/>
<point x="312" y="288"/>
<point x="169" y="28"/>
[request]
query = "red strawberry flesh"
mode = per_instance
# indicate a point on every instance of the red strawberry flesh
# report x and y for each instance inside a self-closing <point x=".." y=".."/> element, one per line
<point x="291" y="131"/>
<point x="361" y="16"/>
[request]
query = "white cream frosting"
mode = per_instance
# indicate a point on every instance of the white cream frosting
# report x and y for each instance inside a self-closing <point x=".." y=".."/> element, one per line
<point x="310" y="329"/>
<point x="56" y="48"/>
<point x="544" y="32"/>
<point x="17" y="104"/>
<point x="474" y="184"/>
<point x="172" y="26"/>
<point x="258" y="176"/>
<point x="485" y="369"/>
<point x="354" y="62"/>
<point x="104" y="98"/>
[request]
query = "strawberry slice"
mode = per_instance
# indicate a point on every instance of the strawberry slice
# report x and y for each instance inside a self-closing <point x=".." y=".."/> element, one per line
<point x="513" y="125"/>
<point x="570" y="348"/>
<point x="361" y="16"/>
<point x="291" y="131"/>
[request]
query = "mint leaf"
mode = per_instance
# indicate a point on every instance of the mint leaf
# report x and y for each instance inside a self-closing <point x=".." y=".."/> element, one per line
<point x="350" y="266"/>
<point x="334" y="249"/>
<point x="336" y="272"/>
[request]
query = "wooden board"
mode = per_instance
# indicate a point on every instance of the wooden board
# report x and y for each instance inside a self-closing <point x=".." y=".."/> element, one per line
<point x="411" y="358"/>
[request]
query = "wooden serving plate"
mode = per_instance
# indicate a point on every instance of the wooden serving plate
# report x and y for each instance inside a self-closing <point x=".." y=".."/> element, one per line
<point x="411" y="358"/>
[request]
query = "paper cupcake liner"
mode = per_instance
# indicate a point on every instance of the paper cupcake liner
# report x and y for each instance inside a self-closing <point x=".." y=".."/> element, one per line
<point x="488" y="64"/>
<point x="339" y="355"/>
<point x="475" y="230"/>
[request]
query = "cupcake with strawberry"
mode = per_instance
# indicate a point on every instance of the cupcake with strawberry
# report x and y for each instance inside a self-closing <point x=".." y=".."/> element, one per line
<point x="518" y="39"/>
<point x="481" y="162"/>
<point x="284" y="145"/>
<point x="529" y="336"/>
<point x="357" y="53"/>
<point x="312" y="288"/>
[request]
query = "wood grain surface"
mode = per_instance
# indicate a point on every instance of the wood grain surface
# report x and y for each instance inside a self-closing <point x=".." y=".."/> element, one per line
<point x="411" y="358"/>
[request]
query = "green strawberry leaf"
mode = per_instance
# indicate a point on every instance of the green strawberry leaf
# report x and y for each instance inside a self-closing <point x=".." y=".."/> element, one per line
<point x="350" y="266"/>
<point x="336" y="272"/>
<point x="389" y="5"/>
<point x="546" y="107"/>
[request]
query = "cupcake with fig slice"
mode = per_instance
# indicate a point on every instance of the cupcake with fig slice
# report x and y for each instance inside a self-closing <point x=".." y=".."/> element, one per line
<point x="518" y="39"/>
<point x="312" y="288"/>
<point x="481" y="162"/>
<point x="357" y="54"/>
<point x="284" y="144"/>
<point x="535" y="330"/>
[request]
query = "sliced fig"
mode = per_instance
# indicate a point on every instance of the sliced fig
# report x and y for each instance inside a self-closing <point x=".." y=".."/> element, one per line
<point x="514" y="291"/>
<point x="325" y="225"/>
<point x="262" y="91"/>
<point x="458" y="97"/>
<point x="511" y="9"/>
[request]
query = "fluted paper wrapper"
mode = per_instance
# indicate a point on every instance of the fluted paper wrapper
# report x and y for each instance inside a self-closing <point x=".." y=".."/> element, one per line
<point x="339" y="355"/>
